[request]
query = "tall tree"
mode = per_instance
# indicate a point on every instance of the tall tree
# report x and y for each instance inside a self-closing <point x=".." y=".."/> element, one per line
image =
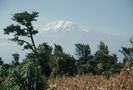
<point x="23" y="28"/>
<point x="102" y="48"/>
<point x="128" y="53"/>
<point x="45" y="52"/>
<point x="103" y="60"/>
<point x="57" y="49"/>
<point x="62" y="63"/>
<point x="83" y="53"/>
<point x="26" y="75"/>
<point x="131" y="41"/>
<point x="82" y="50"/>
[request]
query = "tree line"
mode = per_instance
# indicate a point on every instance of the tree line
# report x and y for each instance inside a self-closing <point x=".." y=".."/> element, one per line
<point x="45" y="61"/>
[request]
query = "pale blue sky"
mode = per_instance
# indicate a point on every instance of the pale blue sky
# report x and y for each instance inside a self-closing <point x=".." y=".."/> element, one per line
<point x="108" y="16"/>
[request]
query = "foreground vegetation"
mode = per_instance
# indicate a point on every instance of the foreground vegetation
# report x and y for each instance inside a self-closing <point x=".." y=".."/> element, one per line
<point x="122" y="81"/>
<point x="40" y="68"/>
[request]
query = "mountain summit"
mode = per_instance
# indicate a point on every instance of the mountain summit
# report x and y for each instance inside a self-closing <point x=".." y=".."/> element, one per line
<point x="67" y="34"/>
<point x="62" y="25"/>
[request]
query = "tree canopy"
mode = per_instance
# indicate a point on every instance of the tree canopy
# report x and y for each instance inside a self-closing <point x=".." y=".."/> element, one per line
<point x="23" y="28"/>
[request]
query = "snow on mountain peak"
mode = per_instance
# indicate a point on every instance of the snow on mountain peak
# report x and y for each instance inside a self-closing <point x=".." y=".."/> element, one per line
<point x="62" y="25"/>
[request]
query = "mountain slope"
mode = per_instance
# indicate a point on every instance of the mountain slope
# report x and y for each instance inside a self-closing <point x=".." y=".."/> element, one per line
<point x="62" y="25"/>
<point x="67" y="34"/>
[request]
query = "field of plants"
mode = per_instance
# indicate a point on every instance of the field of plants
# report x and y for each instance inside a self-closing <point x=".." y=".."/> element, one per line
<point x="122" y="81"/>
<point x="50" y="68"/>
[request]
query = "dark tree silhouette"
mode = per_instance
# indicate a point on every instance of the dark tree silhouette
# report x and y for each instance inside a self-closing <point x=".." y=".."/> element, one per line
<point x="15" y="61"/>
<point x="23" y="28"/>
<point x="83" y="53"/>
<point x="45" y="52"/>
<point x="1" y="62"/>
<point x="23" y="32"/>
<point x="128" y="53"/>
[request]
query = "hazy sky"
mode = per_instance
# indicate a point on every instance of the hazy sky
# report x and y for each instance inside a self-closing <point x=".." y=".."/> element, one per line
<point x="108" y="16"/>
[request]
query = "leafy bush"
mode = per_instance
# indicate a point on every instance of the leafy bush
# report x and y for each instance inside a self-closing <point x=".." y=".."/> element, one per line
<point x="61" y="63"/>
<point x="26" y="76"/>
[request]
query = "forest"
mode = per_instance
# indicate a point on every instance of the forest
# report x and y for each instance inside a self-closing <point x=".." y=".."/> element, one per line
<point x="45" y="67"/>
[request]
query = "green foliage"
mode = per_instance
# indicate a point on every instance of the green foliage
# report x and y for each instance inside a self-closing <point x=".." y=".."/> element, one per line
<point x="15" y="62"/>
<point x="4" y="87"/>
<point x="26" y="76"/>
<point x="131" y="41"/>
<point x="30" y="74"/>
<point x="62" y="64"/>
<point x="83" y="68"/>
<point x="104" y="62"/>
<point x="45" y="52"/>
<point x="83" y="53"/>
<point x="102" y="48"/>
<point x="116" y="68"/>
<point x="82" y="50"/>
<point x="24" y="28"/>
<point x="57" y="49"/>
<point x="128" y="53"/>
<point x="1" y="62"/>
<point x="44" y="55"/>
<point x="2" y="70"/>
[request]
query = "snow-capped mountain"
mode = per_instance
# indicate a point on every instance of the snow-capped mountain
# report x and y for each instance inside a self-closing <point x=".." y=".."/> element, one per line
<point x="66" y="34"/>
<point x="62" y="25"/>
